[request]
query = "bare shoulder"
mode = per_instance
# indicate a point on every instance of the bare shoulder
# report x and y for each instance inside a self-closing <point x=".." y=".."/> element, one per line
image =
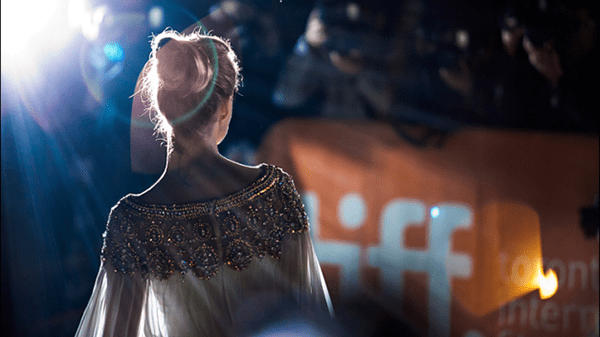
<point x="230" y="178"/>
<point x="249" y="173"/>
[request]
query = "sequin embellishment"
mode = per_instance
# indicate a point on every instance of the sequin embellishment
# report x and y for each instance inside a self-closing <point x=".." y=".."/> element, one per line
<point x="163" y="240"/>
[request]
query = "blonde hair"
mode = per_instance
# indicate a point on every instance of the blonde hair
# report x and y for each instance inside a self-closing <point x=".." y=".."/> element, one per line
<point x="186" y="82"/>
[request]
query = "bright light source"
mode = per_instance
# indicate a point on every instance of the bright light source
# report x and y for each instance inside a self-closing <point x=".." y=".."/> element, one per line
<point x="77" y="13"/>
<point x="22" y="21"/>
<point x="32" y="31"/>
<point x="548" y="284"/>
<point x="156" y="17"/>
<point x="91" y="22"/>
<point x="114" y="52"/>
<point x="88" y="20"/>
<point x="435" y="212"/>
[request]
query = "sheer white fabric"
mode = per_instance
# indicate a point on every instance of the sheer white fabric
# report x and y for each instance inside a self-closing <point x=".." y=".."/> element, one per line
<point x="231" y="303"/>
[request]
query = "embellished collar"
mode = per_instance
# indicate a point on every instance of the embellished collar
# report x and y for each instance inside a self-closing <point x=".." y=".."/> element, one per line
<point x="161" y="240"/>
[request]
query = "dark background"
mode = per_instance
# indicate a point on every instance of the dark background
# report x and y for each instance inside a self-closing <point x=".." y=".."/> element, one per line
<point x="65" y="142"/>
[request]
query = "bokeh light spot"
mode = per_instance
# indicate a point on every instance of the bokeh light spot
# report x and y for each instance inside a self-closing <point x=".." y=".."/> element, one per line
<point x="548" y="284"/>
<point x="114" y="52"/>
<point x="353" y="11"/>
<point x="435" y="212"/>
<point x="156" y="17"/>
<point x="462" y="39"/>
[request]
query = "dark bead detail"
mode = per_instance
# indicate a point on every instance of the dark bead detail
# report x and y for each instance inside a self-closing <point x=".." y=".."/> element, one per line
<point x="160" y="263"/>
<point x="177" y="235"/>
<point x="239" y="254"/>
<point x="184" y="260"/>
<point x="124" y="262"/>
<point x="161" y="240"/>
<point x="254" y="218"/>
<point x="230" y="223"/>
<point x="127" y="229"/>
<point x="154" y="235"/>
<point x="206" y="262"/>
<point x="202" y="231"/>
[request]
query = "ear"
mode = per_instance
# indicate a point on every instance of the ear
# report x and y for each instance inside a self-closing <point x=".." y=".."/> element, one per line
<point x="223" y="119"/>
<point x="226" y="110"/>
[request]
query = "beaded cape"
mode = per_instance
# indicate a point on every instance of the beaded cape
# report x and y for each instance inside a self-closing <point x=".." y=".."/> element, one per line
<point x="156" y="240"/>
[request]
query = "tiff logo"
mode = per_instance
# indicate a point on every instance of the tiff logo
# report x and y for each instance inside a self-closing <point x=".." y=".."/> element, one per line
<point x="392" y="257"/>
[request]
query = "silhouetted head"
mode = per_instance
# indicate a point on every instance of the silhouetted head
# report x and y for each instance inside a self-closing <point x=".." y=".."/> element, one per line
<point x="188" y="80"/>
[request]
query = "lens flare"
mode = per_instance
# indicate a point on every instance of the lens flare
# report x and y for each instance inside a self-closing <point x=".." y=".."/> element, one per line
<point x="548" y="284"/>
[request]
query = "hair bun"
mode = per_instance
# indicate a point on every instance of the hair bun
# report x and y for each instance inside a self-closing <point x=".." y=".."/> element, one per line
<point x="183" y="68"/>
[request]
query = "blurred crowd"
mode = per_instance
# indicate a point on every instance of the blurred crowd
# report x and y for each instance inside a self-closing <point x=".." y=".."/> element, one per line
<point x="514" y="64"/>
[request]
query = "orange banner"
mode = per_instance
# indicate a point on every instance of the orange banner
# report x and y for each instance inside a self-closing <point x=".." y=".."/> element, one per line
<point x="458" y="240"/>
